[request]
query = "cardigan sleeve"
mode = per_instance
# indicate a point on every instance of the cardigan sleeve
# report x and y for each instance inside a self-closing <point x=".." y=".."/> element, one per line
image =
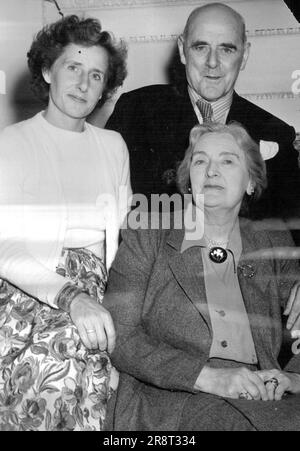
<point x="17" y="265"/>
<point x="137" y="352"/>
<point x="116" y="197"/>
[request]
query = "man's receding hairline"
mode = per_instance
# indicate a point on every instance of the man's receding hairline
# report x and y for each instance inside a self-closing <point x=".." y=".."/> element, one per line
<point x="209" y="6"/>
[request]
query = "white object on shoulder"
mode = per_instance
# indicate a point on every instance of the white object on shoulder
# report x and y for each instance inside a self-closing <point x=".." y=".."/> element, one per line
<point x="268" y="149"/>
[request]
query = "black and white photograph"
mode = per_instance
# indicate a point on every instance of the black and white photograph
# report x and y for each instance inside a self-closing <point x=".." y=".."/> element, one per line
<point x="149" y="218"/>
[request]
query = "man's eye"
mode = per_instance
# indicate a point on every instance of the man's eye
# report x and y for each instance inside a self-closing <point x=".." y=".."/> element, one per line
<point x="228" y="161"/>
<point x="73" y="68"/>
<point x="200" y="48"/>
<point x="226" y="50"/>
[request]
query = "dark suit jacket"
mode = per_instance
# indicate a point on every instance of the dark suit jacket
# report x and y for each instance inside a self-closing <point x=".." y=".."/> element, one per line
<point x="157" y="299"/>
<point x="155" y="122"/>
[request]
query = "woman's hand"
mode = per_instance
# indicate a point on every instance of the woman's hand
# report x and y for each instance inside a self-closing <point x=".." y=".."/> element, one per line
<point x="94" y="323"/>
<point x="231" y="383"/>
<point x="279" y="382"/>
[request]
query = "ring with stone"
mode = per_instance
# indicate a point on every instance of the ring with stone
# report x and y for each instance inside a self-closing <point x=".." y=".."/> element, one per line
<point x="245" y="395"/>
<point x="273" y="381"/>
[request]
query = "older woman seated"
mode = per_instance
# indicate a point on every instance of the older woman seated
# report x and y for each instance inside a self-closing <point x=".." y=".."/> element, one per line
<point x="198" y="321"/>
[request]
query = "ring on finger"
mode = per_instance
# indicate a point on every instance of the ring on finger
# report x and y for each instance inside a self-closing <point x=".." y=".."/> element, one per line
<point x="245" y="395"/>
<point x="295" y="334"/>
<point x="274" y="381"/>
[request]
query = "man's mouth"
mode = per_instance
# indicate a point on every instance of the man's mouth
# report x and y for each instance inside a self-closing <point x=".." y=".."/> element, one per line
<point x="213" y="77"/>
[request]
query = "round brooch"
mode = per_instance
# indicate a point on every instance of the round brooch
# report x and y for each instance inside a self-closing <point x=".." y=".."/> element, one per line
<point x="218" y="254"/>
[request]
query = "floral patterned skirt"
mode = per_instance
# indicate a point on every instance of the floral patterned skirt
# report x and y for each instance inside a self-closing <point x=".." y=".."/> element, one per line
<point x="49" y="381"/>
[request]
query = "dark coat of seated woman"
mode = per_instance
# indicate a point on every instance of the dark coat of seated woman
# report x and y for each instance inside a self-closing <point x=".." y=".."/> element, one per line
<point x="198" y="307"/>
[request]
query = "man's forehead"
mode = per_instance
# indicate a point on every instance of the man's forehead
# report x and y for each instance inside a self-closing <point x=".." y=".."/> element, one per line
<point x="215" y="23"/>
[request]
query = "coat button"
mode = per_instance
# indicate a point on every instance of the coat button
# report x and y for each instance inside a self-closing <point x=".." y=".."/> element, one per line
<point x="224" y="344"/>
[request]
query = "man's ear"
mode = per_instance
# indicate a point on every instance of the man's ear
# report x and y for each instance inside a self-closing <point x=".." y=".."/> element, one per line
<point x="180" y="44"/>
<point x="246" y="55"/>
<point x="46" y="75"/>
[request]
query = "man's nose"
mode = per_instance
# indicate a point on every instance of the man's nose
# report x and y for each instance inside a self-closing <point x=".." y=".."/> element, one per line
<point x="212" y="58"/>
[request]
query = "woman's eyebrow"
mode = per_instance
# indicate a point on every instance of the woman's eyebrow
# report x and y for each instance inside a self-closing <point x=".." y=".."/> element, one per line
<point x="202" y="152"/>
<point x="230" y="153"/>
<point x="199" y="152"/>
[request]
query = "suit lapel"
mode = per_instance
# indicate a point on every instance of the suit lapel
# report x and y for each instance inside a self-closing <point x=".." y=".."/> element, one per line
<point x="242" y="112"/>
<point x="186" y="118"/>
<point x="237" y="111"/>
<point x="187" y="268"/>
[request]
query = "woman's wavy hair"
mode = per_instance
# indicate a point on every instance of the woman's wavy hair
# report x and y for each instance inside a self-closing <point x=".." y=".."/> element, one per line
<point x="51" y="41"/>
<point x="254" y="161"/>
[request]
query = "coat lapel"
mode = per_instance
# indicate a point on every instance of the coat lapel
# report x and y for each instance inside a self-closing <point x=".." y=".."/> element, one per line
<point x="242" y="112"/>
<point x="187" y="268"/>
<point x="186" y="119"/>
<point x="255" y="278"/>
<point x="239" y="111"/>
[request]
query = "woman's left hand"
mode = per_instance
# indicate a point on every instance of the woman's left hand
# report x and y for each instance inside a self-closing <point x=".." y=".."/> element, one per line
<point x="279" y="382"/>
<point x="94" y="323"/>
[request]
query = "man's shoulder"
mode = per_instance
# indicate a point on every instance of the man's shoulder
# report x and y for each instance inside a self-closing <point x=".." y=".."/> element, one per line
<point x="145" y="108"/>
<point x="258" y="114"/>
<point x="261" y="124"/>
<point x="150" y="92"/>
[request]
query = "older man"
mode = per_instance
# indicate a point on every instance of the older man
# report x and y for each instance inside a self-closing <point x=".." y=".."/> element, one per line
<point x="155" y="121"/>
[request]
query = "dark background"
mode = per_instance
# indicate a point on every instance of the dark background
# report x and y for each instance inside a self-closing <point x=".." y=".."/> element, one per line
<point x="294" y="6"/>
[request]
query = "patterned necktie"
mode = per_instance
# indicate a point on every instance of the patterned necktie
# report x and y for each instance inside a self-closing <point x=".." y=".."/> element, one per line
<point x="206" y="110"/>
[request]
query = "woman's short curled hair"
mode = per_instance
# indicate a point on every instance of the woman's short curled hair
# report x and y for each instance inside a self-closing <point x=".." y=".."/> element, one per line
<point x="254" y="161"/>
<point x="51" y="41"/>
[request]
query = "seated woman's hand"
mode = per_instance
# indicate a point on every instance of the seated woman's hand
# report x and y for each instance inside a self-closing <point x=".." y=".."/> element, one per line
<point x="94" y="323"/>
<point x="279" y="382"/>
<point x="232" y="383"/>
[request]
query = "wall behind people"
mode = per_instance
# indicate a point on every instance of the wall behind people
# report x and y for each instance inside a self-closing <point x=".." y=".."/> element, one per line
<point x="151" y="27"/>
<point x="19" y="21"/>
